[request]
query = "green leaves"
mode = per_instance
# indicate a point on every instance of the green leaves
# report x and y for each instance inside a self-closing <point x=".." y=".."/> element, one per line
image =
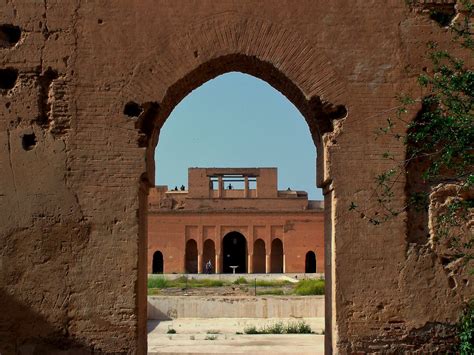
<point x="439" y="143"/>
<point x="466" y="330"/>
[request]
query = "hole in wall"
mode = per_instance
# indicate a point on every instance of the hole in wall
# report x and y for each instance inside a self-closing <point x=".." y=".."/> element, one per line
<point x="443" y="14"/>
<point x="100" y="21"/>
<point x="451" y="282"/>
<point x="9" y="35"/>
<point x="45" y="81"/>
<point x="28" y="141"/>
<point x="132" y="109"/>
<point x="8" y="78"/>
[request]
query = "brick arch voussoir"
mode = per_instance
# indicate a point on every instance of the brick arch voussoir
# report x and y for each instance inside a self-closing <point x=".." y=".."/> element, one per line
<point x="227" y="43"/>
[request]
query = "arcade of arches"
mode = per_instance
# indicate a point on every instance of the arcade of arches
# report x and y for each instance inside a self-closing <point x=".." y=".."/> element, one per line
<point x="255" y="229"/>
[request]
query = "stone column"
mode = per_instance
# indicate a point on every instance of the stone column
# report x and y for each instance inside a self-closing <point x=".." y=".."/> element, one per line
<point x="218" y="263"/>
<point x="250" y="264"/>
<point x="284" y="264"/>
<point x="267" y="264"/>
<point x="199" y="263"/>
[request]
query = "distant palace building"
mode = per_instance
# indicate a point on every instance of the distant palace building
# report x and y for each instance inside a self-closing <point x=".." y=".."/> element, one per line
<point x="236" y="218"/>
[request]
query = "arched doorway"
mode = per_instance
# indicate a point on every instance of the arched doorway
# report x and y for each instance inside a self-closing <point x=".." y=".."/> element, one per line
<point x="259" y="256"/>
<point x="209" y="254"/>
<point x="234" y="251"/>
<point x="157" y="267"/>
<point x="277" y="256"/>
<point x="191" y="256"/>
<point x="310" y="263"/>
<point x="304" y="97"/>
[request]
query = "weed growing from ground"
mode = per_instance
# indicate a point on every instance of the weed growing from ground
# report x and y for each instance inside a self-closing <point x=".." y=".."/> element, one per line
<point x="310" y="287"/>
<point x="300" y="327"/>
<point x="240" y="281"/>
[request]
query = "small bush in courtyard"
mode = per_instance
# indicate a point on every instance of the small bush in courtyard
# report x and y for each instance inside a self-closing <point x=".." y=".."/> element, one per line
<point x="300" y="327"/>
<point x="277" y="328"/>
<point x="251" y="330"/>
<point x="303" y="328"/>
<point x="157" y="282"/>
<point x="210" y="337"/>
<point x="310" y="287"/>
<point x="171" y="331"/>
<point x="241" y="280"/>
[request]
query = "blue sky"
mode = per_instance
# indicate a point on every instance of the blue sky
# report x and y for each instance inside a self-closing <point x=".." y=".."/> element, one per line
<point x="237" y="120"/>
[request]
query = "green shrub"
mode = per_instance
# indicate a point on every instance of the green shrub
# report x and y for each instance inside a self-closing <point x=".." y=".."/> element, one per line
<point x="210" y="337"/>
<point x="171" y="331"/>
<point x="466" y="330"/>
<point x="241" y="280"/>
<point x="251" y="330"/>
<point x="182" y="282"/>
<point x="310" y="287"/>
<point x="303" y="328"/>
<point x="277" y="328"/>
<point x="157" y="282"/>
<point x="300" y="327"/>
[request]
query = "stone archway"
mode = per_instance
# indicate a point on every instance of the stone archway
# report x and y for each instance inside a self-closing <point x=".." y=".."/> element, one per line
<point x="319" y="101"/>
<point x="234" y="252"/>
<point x="88" y="152"/>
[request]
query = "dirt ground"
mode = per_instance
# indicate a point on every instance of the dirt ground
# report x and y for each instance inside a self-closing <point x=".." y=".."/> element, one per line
<point x="219" y="336"/>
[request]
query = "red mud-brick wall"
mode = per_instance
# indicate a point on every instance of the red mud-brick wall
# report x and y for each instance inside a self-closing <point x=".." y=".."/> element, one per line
<point x="299" y="232"/>
<point x="75" y="167"/>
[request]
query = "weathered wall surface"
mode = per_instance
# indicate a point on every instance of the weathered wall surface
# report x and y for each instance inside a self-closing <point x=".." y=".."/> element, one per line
<point x="172" y="307"/>
<point x="70" y="274"/>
